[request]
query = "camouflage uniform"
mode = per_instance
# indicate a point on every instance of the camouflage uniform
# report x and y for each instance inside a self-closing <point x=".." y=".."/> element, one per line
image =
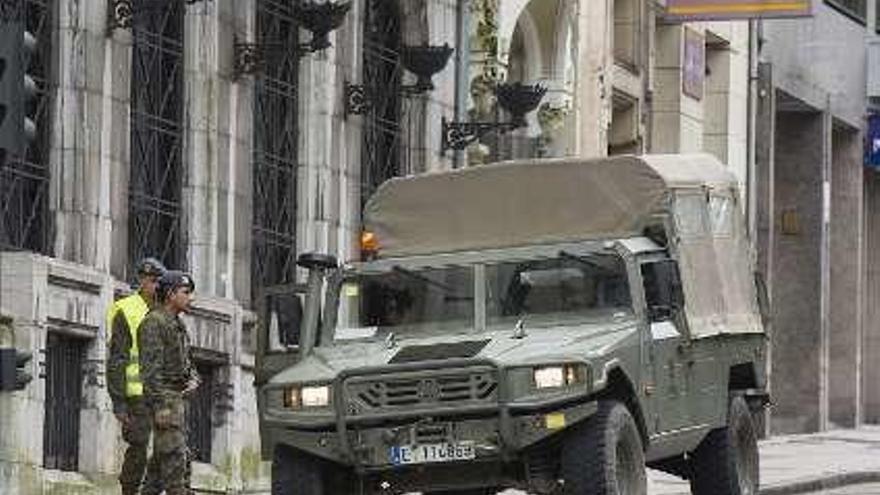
<point x="165" y="372"/>
<point x="136" y="432"/>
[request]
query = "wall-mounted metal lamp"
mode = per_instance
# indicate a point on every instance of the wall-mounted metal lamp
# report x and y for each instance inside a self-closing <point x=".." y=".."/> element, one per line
<point x="517" y="98"/>
<point x="422" y="60"/>
<point x="319" y="18"/>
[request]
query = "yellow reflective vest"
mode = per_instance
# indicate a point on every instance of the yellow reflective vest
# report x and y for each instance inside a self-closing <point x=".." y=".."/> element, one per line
<point x="134" y="309"/>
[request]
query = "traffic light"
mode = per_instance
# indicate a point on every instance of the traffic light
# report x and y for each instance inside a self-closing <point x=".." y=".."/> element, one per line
<point x="14" y="374"/>
<point x="17" y="87"/>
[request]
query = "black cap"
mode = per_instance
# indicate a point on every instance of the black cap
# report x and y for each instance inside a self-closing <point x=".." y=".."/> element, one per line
<point x="150" y="266"/>
<point x="173" y="279"/>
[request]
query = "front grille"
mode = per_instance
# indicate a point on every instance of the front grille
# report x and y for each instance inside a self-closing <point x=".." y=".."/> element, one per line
<point x="440" y="388"/>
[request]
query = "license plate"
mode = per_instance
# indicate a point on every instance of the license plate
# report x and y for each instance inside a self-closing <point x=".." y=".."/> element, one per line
<point x="432" y="452"/>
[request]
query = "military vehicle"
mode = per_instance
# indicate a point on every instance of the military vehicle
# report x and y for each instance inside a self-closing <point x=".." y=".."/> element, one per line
<point x="550" y="325"/>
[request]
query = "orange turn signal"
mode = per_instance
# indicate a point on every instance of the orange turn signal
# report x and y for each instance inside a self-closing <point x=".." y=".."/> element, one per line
<point x="369" y="242"/>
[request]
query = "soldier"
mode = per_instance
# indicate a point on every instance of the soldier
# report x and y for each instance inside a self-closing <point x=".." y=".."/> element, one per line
<point x="123" y="372"/>
<point x="168" y="377"/>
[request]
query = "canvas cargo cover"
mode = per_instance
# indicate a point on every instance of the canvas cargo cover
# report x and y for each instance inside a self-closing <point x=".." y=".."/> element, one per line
<point x="532" y="201"/>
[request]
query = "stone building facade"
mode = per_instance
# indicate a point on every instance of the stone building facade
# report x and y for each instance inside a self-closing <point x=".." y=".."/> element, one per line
<point x="202" y="132"/>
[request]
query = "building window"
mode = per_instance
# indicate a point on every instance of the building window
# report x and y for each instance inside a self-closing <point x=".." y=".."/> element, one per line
<point x="156" y="177"/>
<point x="273" y="260"/>
<point x="857" y="9"/>
<point x="64" y="380"/>
<point x="24" y="181"/>
<point x="200" y="412"/>
<point x="623" y="134"/>
<point x="626" y="33"/>
<point x="381" y="157"/>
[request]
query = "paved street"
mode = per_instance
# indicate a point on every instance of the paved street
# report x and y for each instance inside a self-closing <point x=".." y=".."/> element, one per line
<point x="805" y="461"/>
<point x="869" y="489"/>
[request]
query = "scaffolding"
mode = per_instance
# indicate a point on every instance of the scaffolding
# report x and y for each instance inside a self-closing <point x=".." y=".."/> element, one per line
<point x="156" y="178"/>
<point x="24" y="181"/>
<point x="273" y="259"/>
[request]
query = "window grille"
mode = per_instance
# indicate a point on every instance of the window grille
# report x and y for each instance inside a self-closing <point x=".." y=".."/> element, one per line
<point x="24" y="181"/>
<point x="156" y="178"/>
<point x="381" y="157"/>
<point x="64" y="380"/>
<point x="200" y="413"/>
<point x="273" y="260"/>
<point x="857" y="9"/>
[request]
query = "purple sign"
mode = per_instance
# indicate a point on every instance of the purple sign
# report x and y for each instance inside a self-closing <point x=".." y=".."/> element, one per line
<point x="694" y="66"/>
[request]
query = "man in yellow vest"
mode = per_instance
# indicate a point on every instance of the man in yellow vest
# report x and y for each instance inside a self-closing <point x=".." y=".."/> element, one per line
<point x="123" y="373"/>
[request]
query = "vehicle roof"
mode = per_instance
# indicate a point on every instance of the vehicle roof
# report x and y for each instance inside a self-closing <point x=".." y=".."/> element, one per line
<point x="518" y="203"/>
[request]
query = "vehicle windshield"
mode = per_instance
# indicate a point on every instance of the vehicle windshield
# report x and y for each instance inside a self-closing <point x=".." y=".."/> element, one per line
<point x="406" y="301"/>
<point x="567" y="289"/>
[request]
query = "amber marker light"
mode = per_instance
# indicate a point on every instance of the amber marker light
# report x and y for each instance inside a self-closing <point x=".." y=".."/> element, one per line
<point x="369" y="244"/>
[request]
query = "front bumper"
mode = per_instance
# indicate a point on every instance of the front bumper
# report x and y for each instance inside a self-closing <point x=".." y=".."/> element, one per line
<point x="364" y="425"/>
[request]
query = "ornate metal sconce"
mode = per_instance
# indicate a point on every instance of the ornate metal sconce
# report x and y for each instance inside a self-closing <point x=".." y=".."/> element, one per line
<point x="517" y="98"/>
<point x="422" y="60"/>
<point x="320" y="19"/>
<point x="120" y="12"/>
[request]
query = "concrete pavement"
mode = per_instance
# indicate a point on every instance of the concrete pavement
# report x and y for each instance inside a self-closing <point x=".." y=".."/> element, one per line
<point x="804" y="463"/>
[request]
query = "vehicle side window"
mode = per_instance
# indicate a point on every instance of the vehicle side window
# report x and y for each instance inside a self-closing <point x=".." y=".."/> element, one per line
<point x="690" y="214"/>
<point x="663" y="294"/>
<point x="572" y="287"/>
<point x="721" y="215"/>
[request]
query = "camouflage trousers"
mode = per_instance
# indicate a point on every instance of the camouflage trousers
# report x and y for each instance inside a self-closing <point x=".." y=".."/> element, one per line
<point x="170" y="464"/>
<point x="136" y="434"/>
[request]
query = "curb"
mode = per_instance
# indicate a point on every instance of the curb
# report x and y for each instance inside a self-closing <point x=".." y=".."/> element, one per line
<point x="823" y="483"/>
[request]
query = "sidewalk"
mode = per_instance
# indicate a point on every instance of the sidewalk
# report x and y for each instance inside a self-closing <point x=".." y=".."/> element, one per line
<point x="803" y="463"/>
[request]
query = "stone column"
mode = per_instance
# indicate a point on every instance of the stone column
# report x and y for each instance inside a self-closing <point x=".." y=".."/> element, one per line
<point x="90" y="137"/>
<point x="329" y="145"/>
<point x="871" y="351"/>
<point x="677" y="125"/>
<point x="217" y="154"/>
<point x="846" y="268"/>
<point x="796" y="264"/>
<point x="592" y="105"/>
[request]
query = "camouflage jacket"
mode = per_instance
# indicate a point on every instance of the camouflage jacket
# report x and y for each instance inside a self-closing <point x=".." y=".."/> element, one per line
<point x="164" y="356"/>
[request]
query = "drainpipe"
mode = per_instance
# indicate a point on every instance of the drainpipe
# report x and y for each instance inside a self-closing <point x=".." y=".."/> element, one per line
<point x="755" y="32"/>
<point x="462" y="69"/>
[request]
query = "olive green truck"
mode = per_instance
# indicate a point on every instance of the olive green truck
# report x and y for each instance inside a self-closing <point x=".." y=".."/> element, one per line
<point x="553" y="326"/>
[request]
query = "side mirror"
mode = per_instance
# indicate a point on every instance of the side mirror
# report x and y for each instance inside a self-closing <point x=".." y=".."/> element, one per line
<point x="663" y="294"/>
<point x="312" y="261"/>
<point x="285" y="318"/>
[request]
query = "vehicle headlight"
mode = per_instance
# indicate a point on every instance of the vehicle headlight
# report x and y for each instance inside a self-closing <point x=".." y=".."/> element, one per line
<point x="557" y="376"/>
<point x="305" y="396"/>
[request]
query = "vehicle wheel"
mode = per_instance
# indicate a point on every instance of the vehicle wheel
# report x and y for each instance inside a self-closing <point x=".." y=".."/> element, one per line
<point x="726" y="461"/>
<point x="298" y="473"/>
<point x="604" y="456"/>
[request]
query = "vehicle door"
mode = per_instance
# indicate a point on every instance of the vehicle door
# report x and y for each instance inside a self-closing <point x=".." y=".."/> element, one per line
<point x="667" y="387"/>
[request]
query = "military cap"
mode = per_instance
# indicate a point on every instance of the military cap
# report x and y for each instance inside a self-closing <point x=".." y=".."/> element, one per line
<point x="150" y="266"/>
<point x="173" y="279"/>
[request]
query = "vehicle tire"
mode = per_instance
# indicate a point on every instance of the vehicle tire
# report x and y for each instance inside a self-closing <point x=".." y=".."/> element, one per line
<point x="604" y="456"/>
<point x="726" y="461"/>
<point x="297" y="473"/>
